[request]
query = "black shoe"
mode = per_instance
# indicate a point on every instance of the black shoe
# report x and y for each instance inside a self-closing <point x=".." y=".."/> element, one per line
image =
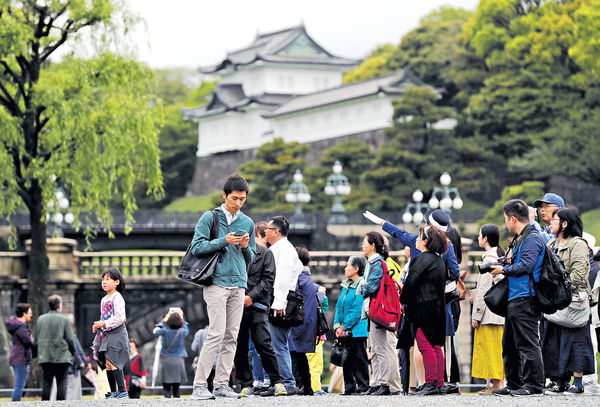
<point x="505" y="391"/>
<point x="370" y="390"/>
<point x="451" y="388"/>
<point x="550" y="385"/>
<point x="524" y="392"/>
<point x="395" y="393"/>
<point x="383" y="390"/>
<point x="557" y="389"/>
<point x="574" y="390"/>
<point x="428" y="389"/>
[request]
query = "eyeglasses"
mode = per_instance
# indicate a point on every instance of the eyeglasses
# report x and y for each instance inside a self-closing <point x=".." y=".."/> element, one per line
<point x="555" y="219"/>
<point x="272" y="228"/>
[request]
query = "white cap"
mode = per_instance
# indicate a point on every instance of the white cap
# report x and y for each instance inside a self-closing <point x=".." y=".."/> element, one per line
<point x="589" y="239"/>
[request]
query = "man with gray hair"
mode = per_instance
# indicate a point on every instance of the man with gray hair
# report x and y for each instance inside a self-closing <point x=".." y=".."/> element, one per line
<point x="55" y="346"/>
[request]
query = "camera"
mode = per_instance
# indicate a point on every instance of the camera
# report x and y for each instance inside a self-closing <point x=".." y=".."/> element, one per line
<point x="487" y="267"/>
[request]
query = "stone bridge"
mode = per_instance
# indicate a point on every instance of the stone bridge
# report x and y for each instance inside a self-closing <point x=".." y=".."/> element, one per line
<point x="152" y="287"/>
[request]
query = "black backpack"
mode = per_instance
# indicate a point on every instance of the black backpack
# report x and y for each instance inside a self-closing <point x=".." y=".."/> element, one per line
<point x="553" y="290"/>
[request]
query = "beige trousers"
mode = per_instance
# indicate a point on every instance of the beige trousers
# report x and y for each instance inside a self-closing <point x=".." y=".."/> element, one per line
<point x="225" y="308"/>
<point x="395" y="381"/>
<point x="380" y="349"/>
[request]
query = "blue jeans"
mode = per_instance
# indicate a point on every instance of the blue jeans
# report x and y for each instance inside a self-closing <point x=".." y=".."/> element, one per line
<point x="279" y="340"/>
<point x="21" y="372"/>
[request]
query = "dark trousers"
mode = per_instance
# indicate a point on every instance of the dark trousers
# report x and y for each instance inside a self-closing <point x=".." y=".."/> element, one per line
<point x="521" y="351"/>
<point x="356" y="366"/>
<point x="171" y="389"/>
<point x="49" y="372"/>
<point x="134" y="392"/>
<point x="301" y="371"/>
<point x="254" y="323"/>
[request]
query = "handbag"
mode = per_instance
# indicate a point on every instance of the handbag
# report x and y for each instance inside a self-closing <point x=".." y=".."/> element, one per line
<point x="339" y="352"/>
<point x="451" y="293"/>
<point x="576" y="315"/>
<point x="198" y="270"/>
<point x="294" y="312"/>
<point x="496" y="298"/>
<point x="322" y="324"/>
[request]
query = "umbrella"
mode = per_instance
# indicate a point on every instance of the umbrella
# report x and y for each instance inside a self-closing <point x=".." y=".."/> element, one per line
<point x="156" y="359"/>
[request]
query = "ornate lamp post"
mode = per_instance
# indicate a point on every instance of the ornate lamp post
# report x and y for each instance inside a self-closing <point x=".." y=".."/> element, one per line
<point x="442" y="197"/>
<point x="62" y="215"/>
<point x="415" y="212"/>
<point x="298" y="193"/>
<point x="337" y="185"/>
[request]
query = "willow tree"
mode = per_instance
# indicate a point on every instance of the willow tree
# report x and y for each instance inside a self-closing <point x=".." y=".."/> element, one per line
<point x="88" y="126"/>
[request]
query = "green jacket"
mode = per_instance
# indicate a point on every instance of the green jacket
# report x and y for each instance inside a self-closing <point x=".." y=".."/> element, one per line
<point x="231" y="269"/>
<point x="54" y="338"/>
<point x="575" y="255"/>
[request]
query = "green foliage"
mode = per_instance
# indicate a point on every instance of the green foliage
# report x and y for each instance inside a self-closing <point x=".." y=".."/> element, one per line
<point x="429" y="49"/>
<point x="195" y="203"/>
<point x="374" y="65"/>
<point x="271" y="173"/>
<point x="178" y="138"/>
<point x="591" y="223"/>
<point x="527" y="191"/>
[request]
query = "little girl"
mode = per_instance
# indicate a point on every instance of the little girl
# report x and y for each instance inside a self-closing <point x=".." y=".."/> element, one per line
<point x="111" y="344"/>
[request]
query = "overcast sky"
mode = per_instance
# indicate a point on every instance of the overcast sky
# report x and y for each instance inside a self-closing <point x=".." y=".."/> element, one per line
<point x="193" y="33"/>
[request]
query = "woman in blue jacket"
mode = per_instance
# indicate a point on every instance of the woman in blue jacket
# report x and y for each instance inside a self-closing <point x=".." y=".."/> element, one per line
<point x="302" y="338"/>
<point x="172" y="353"/>
<point x="349" y="326"/>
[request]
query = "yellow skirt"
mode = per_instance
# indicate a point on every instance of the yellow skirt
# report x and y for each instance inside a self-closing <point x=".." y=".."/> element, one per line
<point x="487" y="352"/>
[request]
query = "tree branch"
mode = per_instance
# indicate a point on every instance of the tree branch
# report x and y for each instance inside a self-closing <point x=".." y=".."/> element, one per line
<point x="7" y="101"/>
<point x="67" y="29"/>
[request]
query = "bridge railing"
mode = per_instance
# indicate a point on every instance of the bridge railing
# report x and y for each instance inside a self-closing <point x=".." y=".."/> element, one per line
<point x="138" y="264"/>
<point x="164" y="263"/>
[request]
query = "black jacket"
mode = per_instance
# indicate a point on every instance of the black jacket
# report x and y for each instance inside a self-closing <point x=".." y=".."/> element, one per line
<point x="423" y="296"/>
<point x="261" y="276"/>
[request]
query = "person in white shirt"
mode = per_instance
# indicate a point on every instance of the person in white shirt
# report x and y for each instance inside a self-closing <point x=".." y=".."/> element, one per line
<point x="287" y="269"/>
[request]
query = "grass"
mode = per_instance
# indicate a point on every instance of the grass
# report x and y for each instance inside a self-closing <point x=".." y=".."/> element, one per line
<point x="194" y="203"/>
<point x="591" y="223"/>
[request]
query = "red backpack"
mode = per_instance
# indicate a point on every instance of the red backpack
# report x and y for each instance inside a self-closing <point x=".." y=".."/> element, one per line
<point x="385" y="309"/>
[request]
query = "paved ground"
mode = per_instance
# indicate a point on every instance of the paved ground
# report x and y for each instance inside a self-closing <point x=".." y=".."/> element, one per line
<point x="332" y="401"/>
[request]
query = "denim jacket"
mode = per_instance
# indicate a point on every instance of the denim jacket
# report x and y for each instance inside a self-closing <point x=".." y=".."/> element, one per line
<point x="177" y="350"/>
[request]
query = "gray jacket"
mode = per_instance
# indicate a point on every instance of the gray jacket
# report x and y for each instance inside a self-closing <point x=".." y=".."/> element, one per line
<point x="481" y="312"/>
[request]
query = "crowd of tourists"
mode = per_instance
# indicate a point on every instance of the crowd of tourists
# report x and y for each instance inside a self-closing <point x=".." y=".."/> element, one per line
<point x="394" y="327"/>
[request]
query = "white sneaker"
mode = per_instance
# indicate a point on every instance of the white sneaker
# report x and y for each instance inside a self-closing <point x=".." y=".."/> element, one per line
<point x="227" y="392"/>
<point x="202" y="393"/>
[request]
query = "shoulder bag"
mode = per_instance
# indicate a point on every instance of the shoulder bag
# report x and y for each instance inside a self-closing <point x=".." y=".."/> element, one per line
<point x="322" y="325"/>
<point x="496" y="298"/>
<point x="198" y="270"/>
<point x="576" y="315"/>
<point x="294" y="312"/>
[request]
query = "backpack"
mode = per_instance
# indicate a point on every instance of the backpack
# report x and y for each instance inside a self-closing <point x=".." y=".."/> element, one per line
<point x="553" y="290"/>
<point x="385" y="309"/>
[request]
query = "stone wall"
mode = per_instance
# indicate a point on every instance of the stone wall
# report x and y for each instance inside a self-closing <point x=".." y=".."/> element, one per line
<point x="210" y="172"/>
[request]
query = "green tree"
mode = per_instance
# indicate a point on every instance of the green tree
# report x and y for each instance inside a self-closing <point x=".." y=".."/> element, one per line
<point x="374" y="65"/>
<point x="418" y="154"/>
<point x="178" y="138"/>
<point x="271" y="173"/>
<point x="88" y="126"/>
<point x="528" y="191"/>
<point x="429" y="49"/>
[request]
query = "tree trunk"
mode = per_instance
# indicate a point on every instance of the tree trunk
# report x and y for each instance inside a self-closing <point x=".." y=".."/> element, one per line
<point x="37" y="271"/>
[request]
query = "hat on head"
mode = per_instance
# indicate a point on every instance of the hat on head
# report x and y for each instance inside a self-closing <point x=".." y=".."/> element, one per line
<point x="589" y="239"/>
<point x="550" y="198"/>
<point x="438" y="219"/>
